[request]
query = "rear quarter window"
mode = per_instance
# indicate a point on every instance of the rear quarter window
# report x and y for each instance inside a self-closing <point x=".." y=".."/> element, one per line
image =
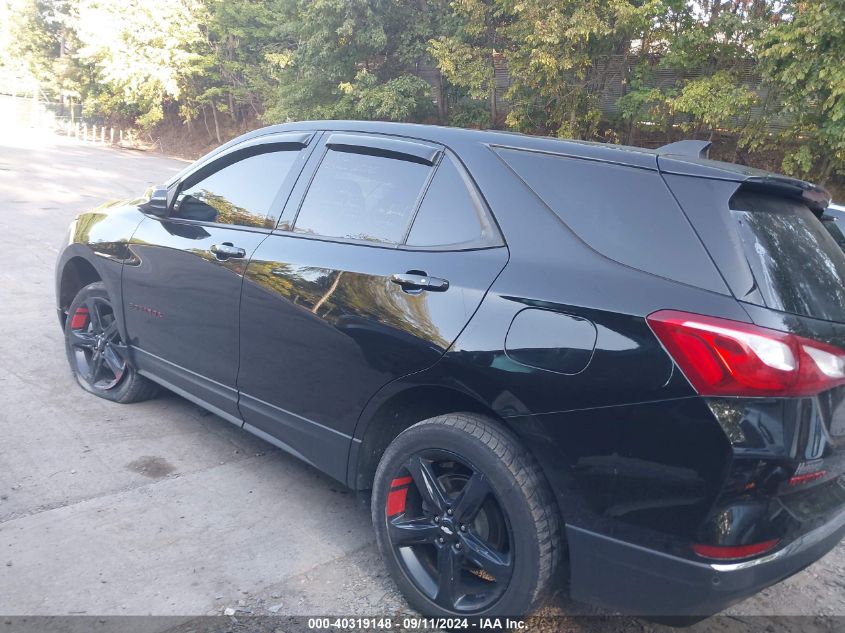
<point x="625" y="213"/>
<point x="796" y="263"/>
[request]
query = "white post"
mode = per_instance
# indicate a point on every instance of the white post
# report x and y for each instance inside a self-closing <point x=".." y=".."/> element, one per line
<point x="35" y="105"/>
<point x="111" y="136"/>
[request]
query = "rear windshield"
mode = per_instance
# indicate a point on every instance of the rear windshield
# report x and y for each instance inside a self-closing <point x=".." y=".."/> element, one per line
<point x="798" y="266"/>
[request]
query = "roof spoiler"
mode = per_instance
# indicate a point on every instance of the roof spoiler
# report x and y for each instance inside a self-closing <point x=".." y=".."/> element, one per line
<point x="815" y="197"/>
<point x="690" y="148"/>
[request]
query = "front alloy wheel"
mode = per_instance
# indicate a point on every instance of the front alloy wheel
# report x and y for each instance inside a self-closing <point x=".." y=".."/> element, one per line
<point x="98" y="356"/>
<point x="464" y="519"/>
<point x="98" y="351"/>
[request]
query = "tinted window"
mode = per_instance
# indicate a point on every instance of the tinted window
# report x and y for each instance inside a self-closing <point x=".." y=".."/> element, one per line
<point x="451" y="213"/>
<point x="240" y="193"/>
<point x="362" y="197"/>
<point x="627" y="214"/>
<point x="835" y="230"/>
<point x="798" y="266"/>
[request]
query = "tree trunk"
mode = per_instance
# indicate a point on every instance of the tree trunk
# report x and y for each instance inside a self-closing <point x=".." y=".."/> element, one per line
<point x="442" y="111"/>
<point x="216" y="124"/>
<point x="494" y="111"/>
<point x="824" y="173"/>
<point x="205" y="120"/>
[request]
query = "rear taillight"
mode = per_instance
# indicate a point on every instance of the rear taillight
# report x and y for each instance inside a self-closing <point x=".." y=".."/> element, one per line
<point x="729" y="358"/>
<point x="726" y="552"/>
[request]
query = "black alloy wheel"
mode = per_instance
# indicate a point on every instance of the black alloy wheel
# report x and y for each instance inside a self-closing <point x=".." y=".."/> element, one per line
<point x="449" y="531"/>
<point x="98" y="355"/>
<point x="465" y="519"/>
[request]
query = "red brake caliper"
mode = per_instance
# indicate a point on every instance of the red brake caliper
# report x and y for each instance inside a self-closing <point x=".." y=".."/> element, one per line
<point x="397" y="495"/>
<point x="80" y="318"/>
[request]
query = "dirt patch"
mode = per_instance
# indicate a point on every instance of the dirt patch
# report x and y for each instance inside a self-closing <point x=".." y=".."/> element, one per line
<point x="152" y="467"/>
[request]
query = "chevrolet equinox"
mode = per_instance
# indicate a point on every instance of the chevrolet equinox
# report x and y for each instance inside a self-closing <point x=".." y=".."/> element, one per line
<point x="550" y="361"/>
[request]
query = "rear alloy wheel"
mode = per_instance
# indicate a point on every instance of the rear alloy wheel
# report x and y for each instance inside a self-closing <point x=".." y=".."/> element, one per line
<point x="96" y="352"/>
<point x="466" y="530"/>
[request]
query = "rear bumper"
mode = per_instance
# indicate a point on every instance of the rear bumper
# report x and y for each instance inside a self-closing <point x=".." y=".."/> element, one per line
<point x="637" y="580"/>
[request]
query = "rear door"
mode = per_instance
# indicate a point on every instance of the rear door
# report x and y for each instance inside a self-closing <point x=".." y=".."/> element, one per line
<point x="182" y="289"/>
<point x="383" y="253"/>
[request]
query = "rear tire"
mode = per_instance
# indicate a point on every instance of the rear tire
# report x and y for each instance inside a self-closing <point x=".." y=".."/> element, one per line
<point x="465" y="519"/>
<point x="98" y="357"/>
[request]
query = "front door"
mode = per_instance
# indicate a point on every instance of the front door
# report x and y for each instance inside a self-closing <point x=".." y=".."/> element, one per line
<point x="182" y="290"/>
<point x="353" y="292"/>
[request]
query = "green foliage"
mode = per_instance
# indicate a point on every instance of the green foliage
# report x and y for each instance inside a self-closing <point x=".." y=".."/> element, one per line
<point x="404" y="98"/>
<point x="346" y="55"/>
<point x="803" y="58"/>
<point x="717" y="101"/>
<point x="470" y="113"/>
<point x="685" y="66"/>
<point x="34" y="36"/>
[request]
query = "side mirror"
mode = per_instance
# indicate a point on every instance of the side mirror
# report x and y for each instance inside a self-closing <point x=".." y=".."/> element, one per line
<point x="158" y="204"/>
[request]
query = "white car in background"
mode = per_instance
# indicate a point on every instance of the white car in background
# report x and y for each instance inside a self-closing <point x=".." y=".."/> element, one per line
<point x="834" y="221"/>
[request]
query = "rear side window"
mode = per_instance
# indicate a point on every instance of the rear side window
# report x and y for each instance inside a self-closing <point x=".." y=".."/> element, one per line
<point x="362" y="197"/>
<point x="795" y="261"/>
<point x="624" y="213"/>
<point x="452" y="214"/>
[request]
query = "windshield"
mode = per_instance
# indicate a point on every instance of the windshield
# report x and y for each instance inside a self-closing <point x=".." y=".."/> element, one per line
<point x="797" y="265"/>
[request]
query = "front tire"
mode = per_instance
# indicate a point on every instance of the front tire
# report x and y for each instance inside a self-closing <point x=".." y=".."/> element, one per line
<point x="98" y="357"/>
<point x="464" y="519"/>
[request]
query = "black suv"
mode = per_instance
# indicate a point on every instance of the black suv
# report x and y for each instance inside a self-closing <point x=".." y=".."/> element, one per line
<point x="539" y="355"/>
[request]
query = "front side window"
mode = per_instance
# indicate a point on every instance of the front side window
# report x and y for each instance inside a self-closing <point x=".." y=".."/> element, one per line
<point x="240" y="193"/>
<point x="362" y="197"/>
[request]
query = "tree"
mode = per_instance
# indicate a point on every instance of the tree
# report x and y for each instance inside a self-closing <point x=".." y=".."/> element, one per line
<point x="344" y="49"/>
<point x="803" y="59"/>
<point x="466" y="54"/>
<point x="141" y="52"/>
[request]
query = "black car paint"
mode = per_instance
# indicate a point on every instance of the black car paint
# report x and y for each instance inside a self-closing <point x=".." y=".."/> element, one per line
<point x="640" y="465"/>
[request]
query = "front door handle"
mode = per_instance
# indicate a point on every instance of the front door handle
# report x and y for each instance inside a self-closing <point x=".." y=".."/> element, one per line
<point x="416" y="281"/>
<point x="226" y="251"/>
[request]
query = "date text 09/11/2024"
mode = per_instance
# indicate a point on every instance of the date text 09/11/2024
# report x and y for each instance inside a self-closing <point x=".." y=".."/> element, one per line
<point x="416" y="623"/>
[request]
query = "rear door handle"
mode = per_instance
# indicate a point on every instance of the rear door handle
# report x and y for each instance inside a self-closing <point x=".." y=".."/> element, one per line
<point x="419" y="281"/>
<point x="227" y="251"/>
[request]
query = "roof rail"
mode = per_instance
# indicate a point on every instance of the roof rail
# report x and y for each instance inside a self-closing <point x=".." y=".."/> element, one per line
<point x="693" y="149"/>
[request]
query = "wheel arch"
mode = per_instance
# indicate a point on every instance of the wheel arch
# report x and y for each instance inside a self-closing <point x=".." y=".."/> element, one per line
<point x="381" y="423"/>
<point x="77" y="272"/>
